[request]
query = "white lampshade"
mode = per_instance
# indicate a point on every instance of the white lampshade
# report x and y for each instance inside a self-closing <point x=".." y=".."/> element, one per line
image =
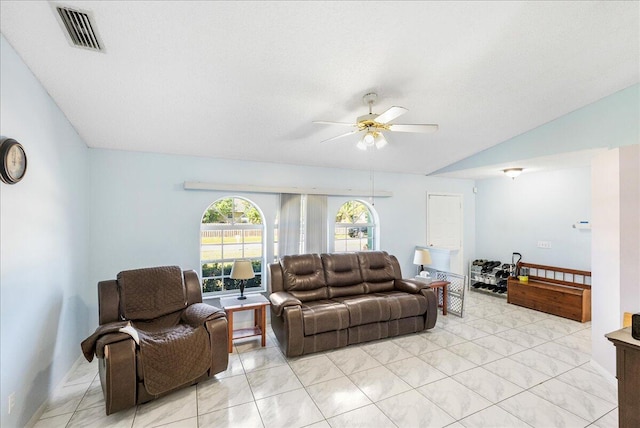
<point x="242" y="269"/>
<point x="380" y="140"/>
<point x="422" y="257"/>
<point x="372" y="139"/>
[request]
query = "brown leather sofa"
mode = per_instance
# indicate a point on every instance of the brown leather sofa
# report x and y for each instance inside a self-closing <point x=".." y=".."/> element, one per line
<point x="155" y="336"/>
<point x="327" y="301"/>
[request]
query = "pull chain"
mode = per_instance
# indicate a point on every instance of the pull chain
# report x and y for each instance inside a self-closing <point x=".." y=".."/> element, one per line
<point x="372" y="179"/>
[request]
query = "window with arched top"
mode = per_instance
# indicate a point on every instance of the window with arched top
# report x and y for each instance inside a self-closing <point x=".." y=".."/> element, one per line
<point x="231" y="228"/>
<point x="355" y="227"/>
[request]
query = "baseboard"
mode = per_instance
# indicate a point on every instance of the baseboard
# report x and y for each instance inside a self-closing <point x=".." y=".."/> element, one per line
<point x="40" y="411"/>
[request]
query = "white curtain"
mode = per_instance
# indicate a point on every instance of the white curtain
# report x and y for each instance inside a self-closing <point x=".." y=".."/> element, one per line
<point x="302" y="227"/>
<point x="316" y="222"/>
<point x="289" y="224"/>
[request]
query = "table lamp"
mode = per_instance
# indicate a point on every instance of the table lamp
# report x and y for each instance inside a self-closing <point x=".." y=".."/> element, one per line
<point x="242" y="270"/>
<point x="421" y="257"/>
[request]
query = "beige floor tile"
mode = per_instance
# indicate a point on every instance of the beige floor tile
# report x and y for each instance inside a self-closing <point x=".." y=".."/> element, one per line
<point x="454" y="398"/>
<point x="178" y="405"/>
<point x="364" y="417"/>
<point x="289" y="409"/>
<point x="379" y="383"/>
<point x="337" y="396"/>
<point x="411" y="409"/>
<point x="244" y="415"/>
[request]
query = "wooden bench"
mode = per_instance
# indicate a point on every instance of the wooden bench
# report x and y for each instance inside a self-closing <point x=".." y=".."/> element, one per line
<point x="558" y="291"/>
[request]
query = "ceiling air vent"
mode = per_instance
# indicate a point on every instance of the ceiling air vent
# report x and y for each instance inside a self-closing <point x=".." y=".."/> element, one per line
<point x="80" y="29"/>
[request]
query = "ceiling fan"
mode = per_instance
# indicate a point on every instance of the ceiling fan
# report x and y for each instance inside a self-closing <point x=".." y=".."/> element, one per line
<point x="373" y="125"/>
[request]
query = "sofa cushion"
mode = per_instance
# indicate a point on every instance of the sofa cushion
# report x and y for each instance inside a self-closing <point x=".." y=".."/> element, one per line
<point x="342" y="274"/>
<point x="377" y="271"/>
<point x="365" y="309"/>
<point x="324" y="315"/>
<point x="404" y="305"/>
<point x="303" y="276"/>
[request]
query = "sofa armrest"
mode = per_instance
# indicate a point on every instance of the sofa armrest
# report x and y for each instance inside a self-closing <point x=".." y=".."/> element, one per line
<point x="198" y="314"/>
<point x="409" y="285"/>
<point x="431" y="315"/>
<point x="282" y="299"/>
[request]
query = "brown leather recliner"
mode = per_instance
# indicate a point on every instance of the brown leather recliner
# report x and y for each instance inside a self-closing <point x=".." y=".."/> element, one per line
<point x="155" y="335"/>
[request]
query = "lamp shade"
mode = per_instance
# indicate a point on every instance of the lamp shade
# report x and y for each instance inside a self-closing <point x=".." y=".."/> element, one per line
<point x="422" y="257"/>
<point x="242" y="269"/>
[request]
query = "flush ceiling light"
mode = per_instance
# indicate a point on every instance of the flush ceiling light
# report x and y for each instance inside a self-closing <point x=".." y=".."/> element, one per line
<point x="512" y="172"/>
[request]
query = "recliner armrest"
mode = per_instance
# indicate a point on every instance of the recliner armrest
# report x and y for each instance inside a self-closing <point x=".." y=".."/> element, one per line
<point x="409" y="285"/>
<point x="282" y="299"/>
<point x="108" y="339"/>
<point x="198" y="314"/>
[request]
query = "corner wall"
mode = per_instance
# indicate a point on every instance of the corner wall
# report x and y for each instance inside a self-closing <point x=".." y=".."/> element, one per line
<point x="615" y="247"/>
<point x="43" y="244"/>
<point x="513" y="215"/>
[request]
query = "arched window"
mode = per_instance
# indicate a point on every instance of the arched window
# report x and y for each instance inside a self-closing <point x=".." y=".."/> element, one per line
<point x="356" y="228"/>
<point x="231" y="228"/>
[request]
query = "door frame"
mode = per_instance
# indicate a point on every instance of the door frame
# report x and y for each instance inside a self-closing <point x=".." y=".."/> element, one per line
<point x="457" y="253"/>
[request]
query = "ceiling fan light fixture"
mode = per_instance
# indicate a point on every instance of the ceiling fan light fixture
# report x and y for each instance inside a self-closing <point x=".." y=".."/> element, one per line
<point x="369" y="139"/>
<point x="512" y="172"/>
<point x="380" y="141"/>
<point x="372" y="125"/>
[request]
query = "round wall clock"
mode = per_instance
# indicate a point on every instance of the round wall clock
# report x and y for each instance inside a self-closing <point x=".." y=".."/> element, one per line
<point x="14" y="161"/>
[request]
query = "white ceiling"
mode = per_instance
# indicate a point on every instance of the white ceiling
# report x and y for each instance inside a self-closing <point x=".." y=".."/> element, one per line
<point x="244" y="80"/>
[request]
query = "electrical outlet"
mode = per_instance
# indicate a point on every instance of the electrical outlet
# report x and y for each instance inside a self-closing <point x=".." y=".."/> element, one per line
<point x="12" y="402"/>
<point x="544" y="244"/>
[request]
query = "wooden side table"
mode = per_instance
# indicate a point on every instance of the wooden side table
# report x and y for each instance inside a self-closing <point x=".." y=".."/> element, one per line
<point x="438" y="286"/>
<point x="441" y="286"/>
<point x="256" y="302"/>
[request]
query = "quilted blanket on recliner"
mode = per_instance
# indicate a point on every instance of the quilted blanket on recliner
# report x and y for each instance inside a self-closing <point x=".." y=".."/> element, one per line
<point x="170" y="357"/>
<point x="173" y="357"/>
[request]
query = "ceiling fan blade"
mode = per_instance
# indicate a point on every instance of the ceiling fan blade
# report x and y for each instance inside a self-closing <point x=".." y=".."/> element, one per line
<point x="340" y="136"/>
<point x="324" y="122"/>
<point x="390" y="114"/>
<point x="423" y="128"/>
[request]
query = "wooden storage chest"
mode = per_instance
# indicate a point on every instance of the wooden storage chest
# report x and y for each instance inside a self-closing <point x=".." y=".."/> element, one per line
<point x="564" y="292"/>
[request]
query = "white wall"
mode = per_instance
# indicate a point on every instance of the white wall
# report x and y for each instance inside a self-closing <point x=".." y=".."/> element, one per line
<point x="513" y="215"/>
<point x="43" y="245"/>
<point x="630" y="229"/>
<point x="616" y="247"/>
<point x="142" y="216"/>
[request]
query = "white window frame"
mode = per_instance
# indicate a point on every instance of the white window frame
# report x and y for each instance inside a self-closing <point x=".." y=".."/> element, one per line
<point x="374" y="224"/>
<point x="229" y="260"/>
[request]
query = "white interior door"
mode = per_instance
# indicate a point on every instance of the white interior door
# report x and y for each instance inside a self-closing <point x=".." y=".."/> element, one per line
<point x="444" y="226"/>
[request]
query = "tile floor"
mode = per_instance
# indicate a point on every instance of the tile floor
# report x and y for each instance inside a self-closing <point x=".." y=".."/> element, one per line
<point x="499" y="366"/>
